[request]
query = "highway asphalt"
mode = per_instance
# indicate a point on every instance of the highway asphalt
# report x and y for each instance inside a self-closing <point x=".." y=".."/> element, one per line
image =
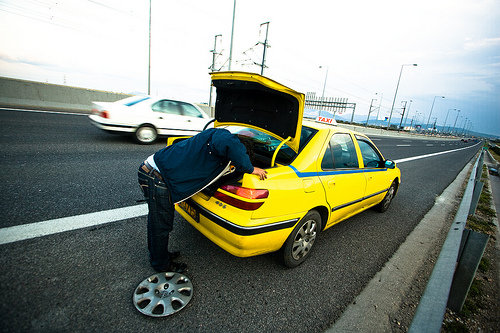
<point x="58" y="165"/>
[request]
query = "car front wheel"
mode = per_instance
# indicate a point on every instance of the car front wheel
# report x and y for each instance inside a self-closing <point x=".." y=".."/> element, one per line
<point x="386" y="202"/>
<point x="146" y="134"/>
<point x="299" y="243"/>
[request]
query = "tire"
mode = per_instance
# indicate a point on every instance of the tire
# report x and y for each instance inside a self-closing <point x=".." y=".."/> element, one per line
<point x="299" y="243"/>
<point x="386" y="202"/>
<point x="146" y="135"/>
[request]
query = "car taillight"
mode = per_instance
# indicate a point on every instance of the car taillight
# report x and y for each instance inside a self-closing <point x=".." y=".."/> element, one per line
<point x="247" y="193"/>
<point x="104" y="114"/>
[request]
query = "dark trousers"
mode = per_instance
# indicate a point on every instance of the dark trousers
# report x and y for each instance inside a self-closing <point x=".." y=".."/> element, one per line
<point x="160" y="218"/>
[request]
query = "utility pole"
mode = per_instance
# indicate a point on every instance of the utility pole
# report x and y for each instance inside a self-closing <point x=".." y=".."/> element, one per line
<point x="402" y="115"/>
<point x="212" y="68"/>
<point x="369" y="111"/>
<point x="265" y="47"/>
<point x="232" y="33"/>
<point x="407" y="113"/>
<point x="149" y="63"/>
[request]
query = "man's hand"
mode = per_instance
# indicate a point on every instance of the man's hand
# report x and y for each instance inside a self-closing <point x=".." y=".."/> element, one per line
<point x="260" y="172"/>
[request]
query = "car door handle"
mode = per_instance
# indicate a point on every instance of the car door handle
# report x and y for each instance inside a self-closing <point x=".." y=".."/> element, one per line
<point x="160" y="117"/>
<point x="331" y="183"/>
<point x="189" y="120"/>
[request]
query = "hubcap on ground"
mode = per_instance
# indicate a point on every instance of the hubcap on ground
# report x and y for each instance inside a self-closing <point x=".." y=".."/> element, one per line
<point x="163" y="294"/>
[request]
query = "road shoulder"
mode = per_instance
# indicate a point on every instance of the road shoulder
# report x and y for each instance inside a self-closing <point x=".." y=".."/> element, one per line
<point x="389" y="300"/>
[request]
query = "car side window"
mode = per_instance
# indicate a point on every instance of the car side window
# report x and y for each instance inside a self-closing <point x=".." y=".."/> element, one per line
<point x="191" y="111"/>
<point x="340" y="154"/>
<point x="166" y="106"/>
<point x="371" y="158"/>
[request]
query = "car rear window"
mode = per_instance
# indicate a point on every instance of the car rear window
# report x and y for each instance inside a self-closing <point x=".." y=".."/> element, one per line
<point x="264" y="145"/>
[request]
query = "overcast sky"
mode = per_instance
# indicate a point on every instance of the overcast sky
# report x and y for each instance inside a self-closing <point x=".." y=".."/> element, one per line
<point x="361" y="44"/>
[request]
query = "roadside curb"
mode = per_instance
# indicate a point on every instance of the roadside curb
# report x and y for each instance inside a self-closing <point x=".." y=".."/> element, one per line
<point x="382" y="297"/>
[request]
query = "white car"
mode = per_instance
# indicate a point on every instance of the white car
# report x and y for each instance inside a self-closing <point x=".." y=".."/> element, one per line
<point x="148" y="117"/>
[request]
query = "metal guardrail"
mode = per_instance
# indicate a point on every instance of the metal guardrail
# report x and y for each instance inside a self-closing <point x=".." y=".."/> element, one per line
<point x="432" y="307"/>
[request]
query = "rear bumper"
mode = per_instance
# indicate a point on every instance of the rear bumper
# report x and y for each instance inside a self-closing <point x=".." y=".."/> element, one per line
<point x="102" y="124"/>
<point x="240" y="240"/>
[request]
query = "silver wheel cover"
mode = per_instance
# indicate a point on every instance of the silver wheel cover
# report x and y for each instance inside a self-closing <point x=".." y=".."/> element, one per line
<point x="146" y="134"/>
<point x="163" y="294"/>
<point x="304" y="239"/>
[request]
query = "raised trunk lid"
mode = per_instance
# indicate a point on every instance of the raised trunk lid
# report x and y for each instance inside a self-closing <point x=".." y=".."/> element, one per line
<point x="252" y="100"/>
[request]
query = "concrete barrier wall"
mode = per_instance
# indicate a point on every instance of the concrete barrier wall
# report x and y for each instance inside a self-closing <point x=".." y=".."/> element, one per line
<point x="15" y="93"/>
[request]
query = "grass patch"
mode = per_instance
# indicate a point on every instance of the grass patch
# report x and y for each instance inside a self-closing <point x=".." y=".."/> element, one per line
<point x="480" y="225"/>
<point x="494" y="154"/>
<point x="474" y="299"/>
<point x="484" y="265"/>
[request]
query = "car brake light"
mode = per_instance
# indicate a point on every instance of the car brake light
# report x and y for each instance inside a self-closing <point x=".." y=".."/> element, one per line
<point x="104" y="114"/>
<point x="247" y="193"/>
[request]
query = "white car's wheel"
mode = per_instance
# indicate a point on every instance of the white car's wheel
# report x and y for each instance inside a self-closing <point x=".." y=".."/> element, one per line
<point x="146" y="134"/>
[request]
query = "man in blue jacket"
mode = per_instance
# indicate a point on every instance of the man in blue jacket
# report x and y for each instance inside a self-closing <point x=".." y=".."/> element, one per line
<point x="179" y="171"/>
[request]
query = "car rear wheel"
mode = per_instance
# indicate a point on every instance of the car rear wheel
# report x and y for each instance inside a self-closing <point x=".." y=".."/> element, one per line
<point x="146" y="134"/>
<point x="299" y="243"/>
<point x="386" y="202"/>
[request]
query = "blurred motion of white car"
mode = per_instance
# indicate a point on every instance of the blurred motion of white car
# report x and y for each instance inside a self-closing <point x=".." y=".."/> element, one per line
<point x="147" y="117"/>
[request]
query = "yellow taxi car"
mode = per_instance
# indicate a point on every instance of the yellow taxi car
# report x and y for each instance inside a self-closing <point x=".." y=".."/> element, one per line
<point x="317" y="174"/>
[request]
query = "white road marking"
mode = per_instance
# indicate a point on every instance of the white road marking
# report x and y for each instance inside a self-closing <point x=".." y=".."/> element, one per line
<point x="434" y="154"/>
<point x="42" y="111"/>
<point x="44" y="228"/>
<point x="403" y="145"/>
<point x="49" y="227"/>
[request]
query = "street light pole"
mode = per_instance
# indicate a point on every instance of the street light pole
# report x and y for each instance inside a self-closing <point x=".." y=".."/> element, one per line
<point x="232" y="33"/>
<point x="149" y="62"/>
<point x="458" y="113"/>
<point x="396" y="93"/>
<point x="430" y="113"/>
<point x="445" y="119"/>
<point x="324" y="84"/>
<point x="212" y="68"/>
<point x="379" y="104"/>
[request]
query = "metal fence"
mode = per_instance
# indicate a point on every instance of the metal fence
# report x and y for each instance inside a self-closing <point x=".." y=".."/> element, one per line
<point x="456" y="265"/>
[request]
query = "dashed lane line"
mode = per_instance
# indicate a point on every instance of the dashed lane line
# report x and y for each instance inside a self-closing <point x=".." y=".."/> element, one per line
<point x="49" y="227"/>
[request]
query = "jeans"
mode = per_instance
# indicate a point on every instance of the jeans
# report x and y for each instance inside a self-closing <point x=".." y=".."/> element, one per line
<point x="160" y="218"/>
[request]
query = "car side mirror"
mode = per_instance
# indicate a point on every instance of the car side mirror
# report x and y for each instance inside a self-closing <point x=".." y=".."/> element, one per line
<point x="390" y="164"/>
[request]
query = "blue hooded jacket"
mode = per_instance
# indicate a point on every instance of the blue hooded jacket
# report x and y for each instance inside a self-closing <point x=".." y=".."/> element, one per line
<point x="190" y="165"/>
